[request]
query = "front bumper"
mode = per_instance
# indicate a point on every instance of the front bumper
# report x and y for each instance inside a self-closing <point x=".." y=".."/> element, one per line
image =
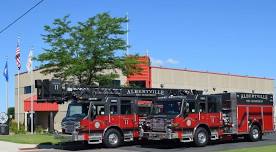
<point x="75" y="136"/>
<point x="92" y="138"/>
<point x="159" y="135"/>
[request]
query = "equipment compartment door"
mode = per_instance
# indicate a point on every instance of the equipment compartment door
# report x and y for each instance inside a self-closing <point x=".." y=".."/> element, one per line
<point x="267" y="119"/>
<point x="242" y="119"/>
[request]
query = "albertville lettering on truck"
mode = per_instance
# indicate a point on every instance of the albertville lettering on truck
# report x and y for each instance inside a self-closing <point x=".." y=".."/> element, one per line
<point x="248" y="98"/>
<point x="255" y="96"/>
<point x="155" y="92"/>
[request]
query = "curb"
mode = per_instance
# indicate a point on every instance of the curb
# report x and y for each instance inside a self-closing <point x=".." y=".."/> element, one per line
<point x="28" y="149"/>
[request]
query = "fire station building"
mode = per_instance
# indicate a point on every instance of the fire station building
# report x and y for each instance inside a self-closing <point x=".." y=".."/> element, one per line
<point x="149" y="77"/>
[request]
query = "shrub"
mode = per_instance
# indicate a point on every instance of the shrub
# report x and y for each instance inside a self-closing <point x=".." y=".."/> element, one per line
<point x="39" y="130"/>
<point x="13" y="128"/>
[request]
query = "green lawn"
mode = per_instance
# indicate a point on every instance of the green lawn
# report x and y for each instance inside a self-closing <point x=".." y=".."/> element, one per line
<point x="30" y="139"/>
<point x="271" y="148"/>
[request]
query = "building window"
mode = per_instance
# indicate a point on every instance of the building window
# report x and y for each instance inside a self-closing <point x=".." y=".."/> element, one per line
<point x="116" y="83"/>
<point x="27" y="89"/>
<point x="112" y="83"/>
<point x="137" y="84"/>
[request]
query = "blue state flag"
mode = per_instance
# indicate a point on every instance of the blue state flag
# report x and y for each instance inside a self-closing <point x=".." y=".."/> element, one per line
<point x="5" y="73"/>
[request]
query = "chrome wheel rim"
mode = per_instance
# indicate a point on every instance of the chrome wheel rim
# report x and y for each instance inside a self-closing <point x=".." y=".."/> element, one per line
<point x="113" y="139"/>
<point x="201" y="137"/>
<point x="255" y="133"/>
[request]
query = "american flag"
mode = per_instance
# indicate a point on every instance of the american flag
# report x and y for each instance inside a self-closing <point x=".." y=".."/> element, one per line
<point x="17" y="56"/>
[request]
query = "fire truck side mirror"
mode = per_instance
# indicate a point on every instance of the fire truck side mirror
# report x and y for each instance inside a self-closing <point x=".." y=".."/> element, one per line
<point x="93" y="112"/>
<point x="185" y="107"/>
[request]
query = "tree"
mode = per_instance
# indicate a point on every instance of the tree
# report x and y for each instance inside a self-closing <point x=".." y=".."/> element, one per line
<point x="88" y="51"/>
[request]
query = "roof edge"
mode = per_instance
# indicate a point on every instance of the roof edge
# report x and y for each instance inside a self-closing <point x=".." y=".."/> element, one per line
<point x="217" y="73"/>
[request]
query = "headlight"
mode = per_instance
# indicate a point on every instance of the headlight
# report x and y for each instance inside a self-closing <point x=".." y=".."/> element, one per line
<point x="168" y="128"/>
<point x="62" y="124"/>
<point x="175" y="125"/>
<point x="146" y="123"/>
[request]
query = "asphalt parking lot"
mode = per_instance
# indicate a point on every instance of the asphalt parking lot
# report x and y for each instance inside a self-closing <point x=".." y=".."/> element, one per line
<point x="165" y="146"/>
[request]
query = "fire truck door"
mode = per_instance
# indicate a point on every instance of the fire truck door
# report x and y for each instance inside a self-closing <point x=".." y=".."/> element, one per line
<point x="208" y="114"/>
<point x="213" y="111"/>
<point x="113" y="112"/>
<point x="127" y="116"/>
<point x="202" y="109"/>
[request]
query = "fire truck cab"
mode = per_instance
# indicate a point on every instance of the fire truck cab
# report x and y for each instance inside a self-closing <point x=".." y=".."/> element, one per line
<point x="201" y="118"/>
<point x="110" y="122"/>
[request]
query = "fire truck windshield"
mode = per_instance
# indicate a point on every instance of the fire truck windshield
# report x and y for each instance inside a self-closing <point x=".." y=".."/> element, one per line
<point x="171" y="107"/>
<point x="77" y="110"/>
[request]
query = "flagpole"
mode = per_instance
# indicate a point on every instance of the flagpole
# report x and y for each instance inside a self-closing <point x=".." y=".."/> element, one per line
<point x="7" y="95"/>
<point x="32" y="103"/>
<point x="32" y="100"/>
<point x="18" y="103"/>
<point x="18" y="81"/>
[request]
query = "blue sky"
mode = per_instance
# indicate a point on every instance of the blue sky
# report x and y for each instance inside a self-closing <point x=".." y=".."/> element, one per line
<point x="229" y="36"/>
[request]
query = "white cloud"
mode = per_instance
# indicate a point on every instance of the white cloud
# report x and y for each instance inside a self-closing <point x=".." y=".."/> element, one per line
<point x="159" y="62"/>
<point x="172" y="61"/>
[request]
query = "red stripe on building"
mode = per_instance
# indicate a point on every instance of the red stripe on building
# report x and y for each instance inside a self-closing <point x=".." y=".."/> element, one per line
<point x="45" y="106"/>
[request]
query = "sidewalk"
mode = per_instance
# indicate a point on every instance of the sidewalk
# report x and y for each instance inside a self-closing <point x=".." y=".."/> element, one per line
<point x="14" y="147"/>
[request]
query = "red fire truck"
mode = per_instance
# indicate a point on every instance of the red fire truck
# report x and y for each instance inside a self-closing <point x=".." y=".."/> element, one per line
<point x="113" y="115"/>
<point x="103" y="115"/>
<point x="202" y="118"/>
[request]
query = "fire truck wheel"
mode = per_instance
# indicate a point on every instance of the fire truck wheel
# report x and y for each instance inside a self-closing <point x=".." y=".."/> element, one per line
<point x="255" y="133"/>
<point x="201" y="137"/>
<point x="112" y="138"/>
<point x="143" y="141"/>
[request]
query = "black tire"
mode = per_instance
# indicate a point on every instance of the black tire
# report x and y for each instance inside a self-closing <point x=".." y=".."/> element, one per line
<point x="254" y="134"/>
<point x="235" y="138"/>
<point x="112" y="138"/>
<point x="201" y="137"/>
<point x="143" y="142"/>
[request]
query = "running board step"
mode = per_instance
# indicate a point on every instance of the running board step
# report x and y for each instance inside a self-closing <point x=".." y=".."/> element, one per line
<point x="214" y="137"/>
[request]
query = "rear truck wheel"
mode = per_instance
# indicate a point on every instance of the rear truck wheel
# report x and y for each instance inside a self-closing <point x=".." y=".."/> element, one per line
<point x="235" y="138"/>
<point x="201" y="137"/>
<point x="112" y="138"/>
<point x="254" y="134"/>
